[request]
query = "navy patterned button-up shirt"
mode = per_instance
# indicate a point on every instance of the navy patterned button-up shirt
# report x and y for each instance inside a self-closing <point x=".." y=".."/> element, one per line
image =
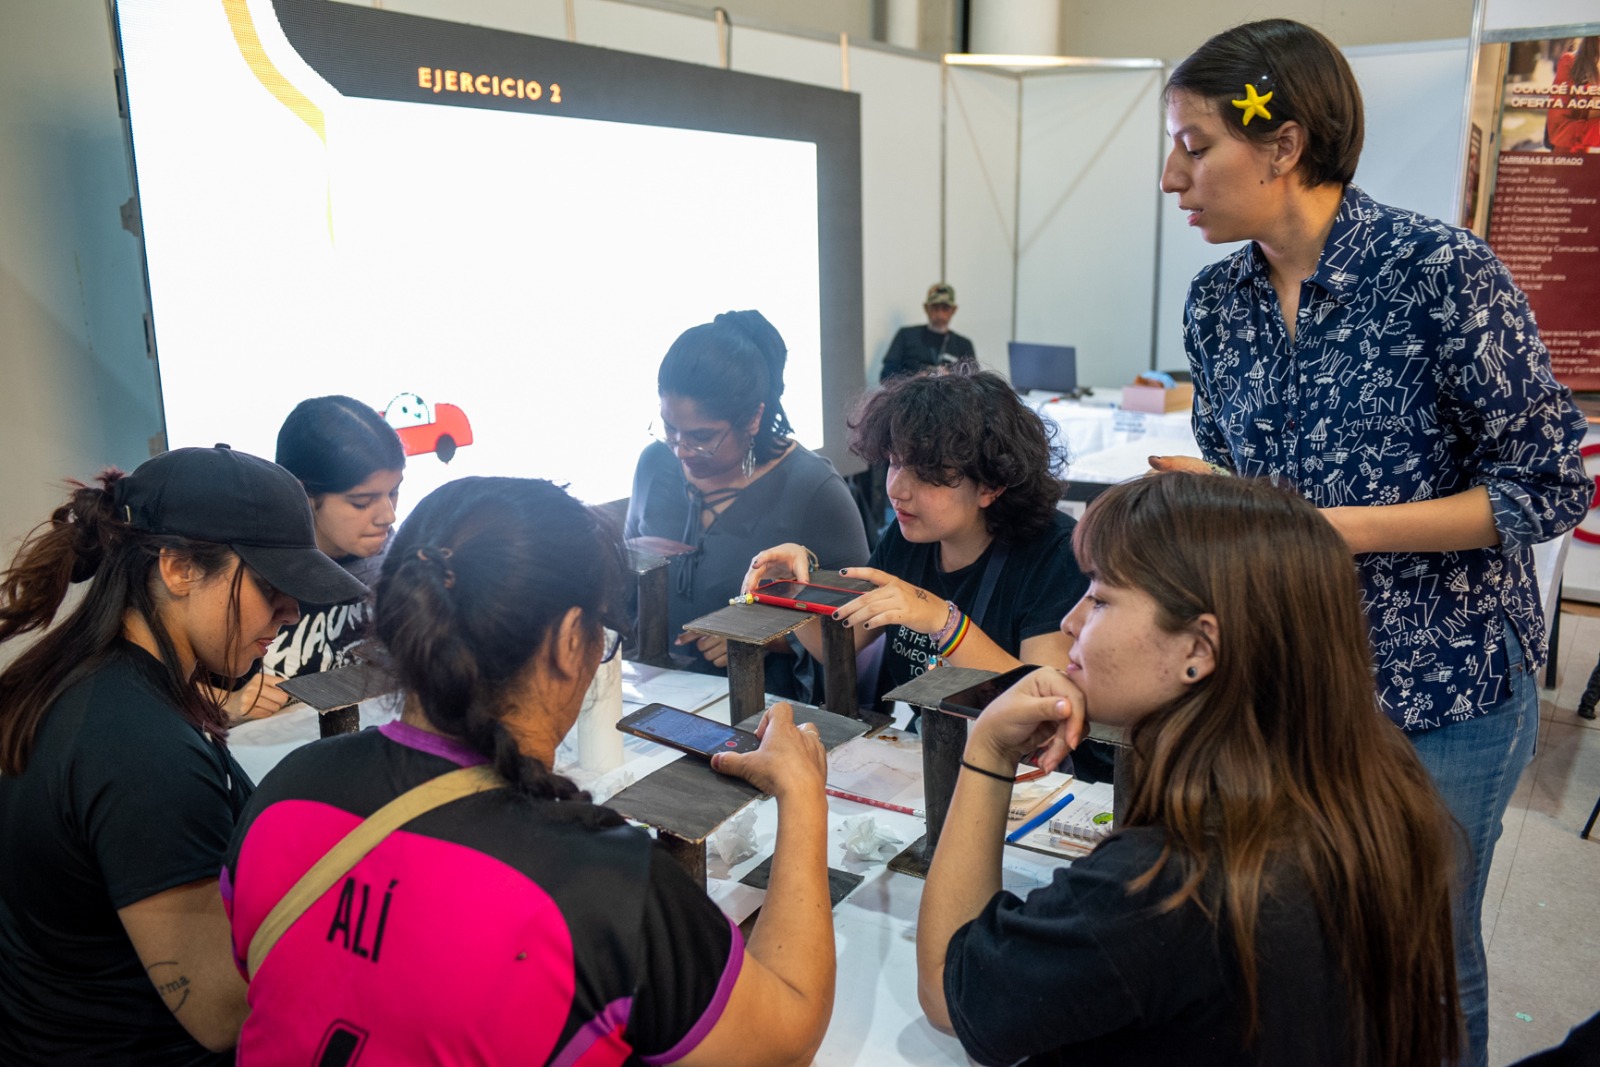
<point x="1416" y="372"/>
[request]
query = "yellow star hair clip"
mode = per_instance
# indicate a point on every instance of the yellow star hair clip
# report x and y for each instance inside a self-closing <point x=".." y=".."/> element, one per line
<point x="1254" y="104"/>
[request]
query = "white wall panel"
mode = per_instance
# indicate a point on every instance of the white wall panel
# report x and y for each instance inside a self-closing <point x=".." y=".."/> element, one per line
<point x="899" y="192"/>
<point x="1086" y="260"/>
<point x="78" y="389"/>
<point x="541" y="18"/>
<point x="980" y="207"/>
<point x="1414" y="95"/>
<point x="647" y="30"/>
<point x="1516" y="14"/>
<point x="781" y="55"/>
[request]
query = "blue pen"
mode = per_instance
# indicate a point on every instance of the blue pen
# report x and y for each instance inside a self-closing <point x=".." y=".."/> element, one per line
<point x="1038" y="820"/>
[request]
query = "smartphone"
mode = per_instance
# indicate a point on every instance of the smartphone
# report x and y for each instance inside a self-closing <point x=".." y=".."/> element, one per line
<point x="685" y="732"/>
<point x="821" y="599"/>
<point x="971" y="701"/>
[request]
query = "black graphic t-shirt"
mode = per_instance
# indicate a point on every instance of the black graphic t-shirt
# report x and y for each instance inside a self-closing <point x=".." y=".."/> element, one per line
<point x="1038" y="584"/>
<point x="325" y="635"/>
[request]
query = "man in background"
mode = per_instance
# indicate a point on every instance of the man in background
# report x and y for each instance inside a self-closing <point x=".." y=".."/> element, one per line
<point x="919" y="349"/>
<point x="932" y="348"/>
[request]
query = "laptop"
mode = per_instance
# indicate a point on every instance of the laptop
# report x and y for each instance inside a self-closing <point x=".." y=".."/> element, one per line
<point x="1045" y="368"/>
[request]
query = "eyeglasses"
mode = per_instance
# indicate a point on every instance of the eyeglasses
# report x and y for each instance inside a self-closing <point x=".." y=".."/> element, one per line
<point x="613" y="644"/>
<point x="696" y="443"/>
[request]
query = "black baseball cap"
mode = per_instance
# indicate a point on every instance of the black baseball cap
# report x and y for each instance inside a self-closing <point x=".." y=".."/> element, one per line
<point x="250" y="504"/>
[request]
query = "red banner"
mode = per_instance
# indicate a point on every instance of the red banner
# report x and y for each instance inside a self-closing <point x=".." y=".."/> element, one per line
<point x="1544" y="219"/>
<point x="1544" y="225"/>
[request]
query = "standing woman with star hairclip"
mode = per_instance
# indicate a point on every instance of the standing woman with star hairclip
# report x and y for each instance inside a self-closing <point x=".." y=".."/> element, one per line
<point x="1386" y="366"/>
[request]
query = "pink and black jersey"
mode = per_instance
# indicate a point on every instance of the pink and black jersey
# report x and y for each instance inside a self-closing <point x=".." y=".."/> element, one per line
<point x="496" y="929"/>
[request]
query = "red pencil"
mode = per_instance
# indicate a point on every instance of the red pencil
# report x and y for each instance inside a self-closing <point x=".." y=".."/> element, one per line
<point x="842" y="795"/>
<point x="786" y="602"/>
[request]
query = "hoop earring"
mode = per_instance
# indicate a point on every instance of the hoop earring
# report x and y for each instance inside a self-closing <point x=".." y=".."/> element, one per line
<point x="747" y="465"/>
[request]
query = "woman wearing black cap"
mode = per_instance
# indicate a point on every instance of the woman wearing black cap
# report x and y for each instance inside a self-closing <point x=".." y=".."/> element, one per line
<point x="117" y="791"/>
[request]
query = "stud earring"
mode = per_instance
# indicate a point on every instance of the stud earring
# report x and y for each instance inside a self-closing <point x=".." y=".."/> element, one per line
<point x="1191" y="673"/>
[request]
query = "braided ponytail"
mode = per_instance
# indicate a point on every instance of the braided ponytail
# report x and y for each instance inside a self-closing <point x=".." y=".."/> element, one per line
<point x="478" y="580"/>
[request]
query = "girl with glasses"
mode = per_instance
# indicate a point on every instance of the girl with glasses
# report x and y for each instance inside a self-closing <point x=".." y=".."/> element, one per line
<point x="725" y="480"/>
<point x="520" y="923"/>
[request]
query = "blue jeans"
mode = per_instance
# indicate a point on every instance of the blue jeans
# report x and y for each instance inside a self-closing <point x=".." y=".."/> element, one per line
<point x="1475" y="766"/>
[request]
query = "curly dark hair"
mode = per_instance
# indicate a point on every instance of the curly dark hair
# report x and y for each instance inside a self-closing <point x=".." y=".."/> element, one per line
<point x="967" y="425"/>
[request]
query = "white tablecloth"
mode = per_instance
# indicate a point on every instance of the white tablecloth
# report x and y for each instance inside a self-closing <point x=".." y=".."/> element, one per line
<point x="1107" y="444"/>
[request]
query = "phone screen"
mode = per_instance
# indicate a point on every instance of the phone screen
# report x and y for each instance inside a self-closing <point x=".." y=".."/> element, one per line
<point x="813" y="594"/>
<point x="689" y="733"/>
<point x="972" y="700"/>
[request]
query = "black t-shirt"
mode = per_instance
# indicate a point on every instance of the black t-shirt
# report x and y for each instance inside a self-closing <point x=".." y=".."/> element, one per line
<point x="122" y="799"/>
<point x="1036" y="587"/>
<point x="1083" y="973"/>
<point x="917" y="348"/>
<point x="496" y="928"/>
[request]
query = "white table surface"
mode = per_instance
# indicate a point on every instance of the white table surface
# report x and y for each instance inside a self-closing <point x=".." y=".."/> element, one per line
<point x="876" y="1018"/>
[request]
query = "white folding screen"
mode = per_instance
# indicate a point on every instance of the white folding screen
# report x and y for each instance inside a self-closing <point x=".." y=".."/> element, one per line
<point x="900" y="181"/>
<point x="980" y="215"/>
<point x="1086" y="254"/>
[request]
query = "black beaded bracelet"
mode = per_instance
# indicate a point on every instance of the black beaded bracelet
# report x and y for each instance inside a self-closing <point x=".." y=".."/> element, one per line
<point x="1006" y="778"/>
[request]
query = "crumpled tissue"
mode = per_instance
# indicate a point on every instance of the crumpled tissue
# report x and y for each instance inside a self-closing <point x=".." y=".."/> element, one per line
<point x="735" y="840"/>
<point x="864" y="839"/>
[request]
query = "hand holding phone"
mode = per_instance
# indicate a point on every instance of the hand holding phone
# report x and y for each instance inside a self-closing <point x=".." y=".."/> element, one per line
<point x="791" y="763"/>
<point x="693" y="734"/>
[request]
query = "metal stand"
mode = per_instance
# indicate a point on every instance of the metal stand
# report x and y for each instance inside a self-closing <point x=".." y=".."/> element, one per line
<point x="750" y="628"/>
<point x="686" y="800"/>
<point x="944" y="738"/>
<point x="650" y="642"/>
<point x="339" y="721"/>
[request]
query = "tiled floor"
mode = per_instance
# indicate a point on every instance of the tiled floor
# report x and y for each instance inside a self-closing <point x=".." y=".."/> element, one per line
<point x="1541" y="914"/>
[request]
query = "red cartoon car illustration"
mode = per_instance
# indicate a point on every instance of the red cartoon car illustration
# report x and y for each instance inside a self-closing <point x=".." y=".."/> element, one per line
<point x="424" y="427"/>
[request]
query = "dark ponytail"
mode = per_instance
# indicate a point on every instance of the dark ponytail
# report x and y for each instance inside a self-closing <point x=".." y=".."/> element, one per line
<point x="86" y="540"/>
<point x="476" y="585"/>
<point x="730" y="367"/>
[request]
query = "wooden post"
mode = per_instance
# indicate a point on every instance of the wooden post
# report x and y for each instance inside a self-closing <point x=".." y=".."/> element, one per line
<point x="747" y="680"/>
<point x="690" y="855"/>
<point x="339" y="721"/>
<point x="944" y="738"/>
<point x="839" y="666"/>
<point x="650" y="627"/>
